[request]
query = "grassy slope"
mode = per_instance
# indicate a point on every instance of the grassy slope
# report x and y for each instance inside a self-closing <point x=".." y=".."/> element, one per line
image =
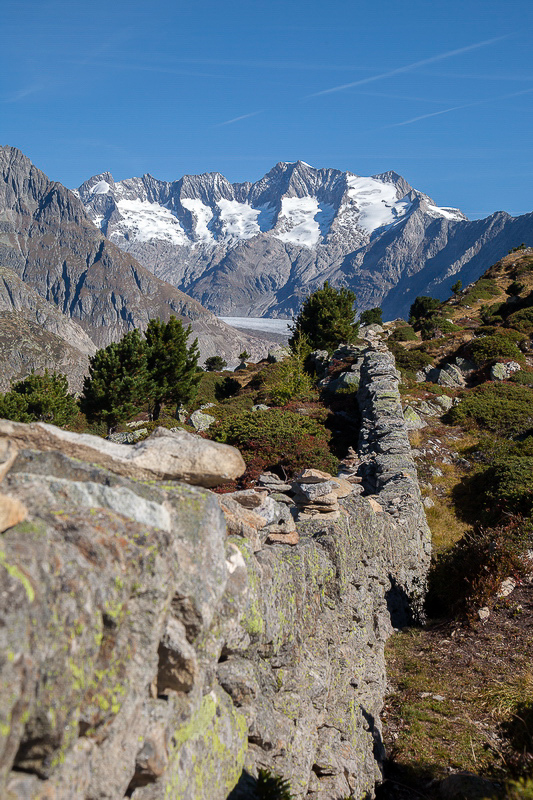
<point x="462" y="689"/>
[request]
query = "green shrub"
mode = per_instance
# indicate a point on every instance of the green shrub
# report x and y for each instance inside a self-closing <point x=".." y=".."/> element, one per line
<point x="494" y="330"/>
<point x="410" y="361"/>
<point x="508" y="485"/>
<point x="422" y="307"/>
<point x="405" y="333"/>
<point x="40" y="398"/>
<point x="272" y="787"/>
<point x="372" y="316"/>
<point x="491" y="315"/>
<point x="483" y="289"/>
<point x="326" y="319"/>
<point x="524" y="266"/>
<point x="523" y="377"/>
<point x="275" y="439"/>
<point x="469" y="575"/>
<point x="504" y="408"/>
<point x="215" y="363"/>
<point x="515" y="288"/>
<point x="487" y="348"/>
<point x="522" y="320"/>
<point x="293" y="382"/>
<point x="437" y="326"/>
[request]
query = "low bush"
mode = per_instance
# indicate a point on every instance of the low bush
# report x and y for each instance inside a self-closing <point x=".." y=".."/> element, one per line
<point x="372" y="316"/>
<point x="437" y="326"/>
<point x="40" y="398"/>
<point x="410" y="361"/>
<point x="494" y="330"/>
<point x="483" y="289"/>
<point x="508" y="485"/>
<point x="523" y="377"/>
<point x="522" y="320"/>
<point x="278" y="440"/>
<point x="469" y="575"/>
<point x="488" y="348"/>
<point x="503" y="408"/>
<point x="406" y="333"/>
<point x="492" y="314"/>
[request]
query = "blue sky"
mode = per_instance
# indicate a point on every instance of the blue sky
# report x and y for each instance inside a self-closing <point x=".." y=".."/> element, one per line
<point x="440" y="92"/>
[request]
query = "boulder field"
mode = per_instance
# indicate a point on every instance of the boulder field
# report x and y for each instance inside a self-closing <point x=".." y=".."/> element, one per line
<point x="158" y="640"/>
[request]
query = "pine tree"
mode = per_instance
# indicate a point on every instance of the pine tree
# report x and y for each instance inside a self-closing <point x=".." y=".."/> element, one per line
<point x="42" y="398"/>
<point x="172" y="366"/>
<point x="215" y="363"/>
<point x="422" y="307"/>
<point x="117" y="383"/>
<point x="372" y="316"/>
<point x="326" y="319"/>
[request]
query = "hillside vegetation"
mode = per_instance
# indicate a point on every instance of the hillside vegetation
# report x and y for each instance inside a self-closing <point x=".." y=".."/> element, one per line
<point x="462" y="700"/>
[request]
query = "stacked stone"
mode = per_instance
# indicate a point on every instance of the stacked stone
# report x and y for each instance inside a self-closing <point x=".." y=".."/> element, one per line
<point x="256" y="516"/>
<point x="317" y="493"/>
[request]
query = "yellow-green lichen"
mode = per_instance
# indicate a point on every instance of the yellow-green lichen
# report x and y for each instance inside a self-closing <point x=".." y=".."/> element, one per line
<point x="18" y="575"/>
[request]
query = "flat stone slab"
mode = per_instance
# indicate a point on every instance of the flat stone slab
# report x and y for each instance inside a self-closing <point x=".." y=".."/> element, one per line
<point x="178" y="456"/>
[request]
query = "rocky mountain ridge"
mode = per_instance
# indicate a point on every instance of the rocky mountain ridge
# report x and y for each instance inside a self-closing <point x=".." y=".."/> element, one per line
<point x="50" y="248"/>
<point x="257" y="249"/>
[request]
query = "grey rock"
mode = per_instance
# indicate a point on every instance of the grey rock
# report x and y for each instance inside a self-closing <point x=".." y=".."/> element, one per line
<point x="346" y="380"/>
<point x="503" y="371"/>
<point x="164" y="454"/>
<point x="311" y="491"/>
<point x="277" y="354"/>
<point x="201" y="655"/>
<point x="443" y="401"/>
<point x="449" y="375"/>
<point x="465" y="365"/>
<point x="260" y="407"/>
<point x="201" y="421"/>
<point x="413" y="421"/>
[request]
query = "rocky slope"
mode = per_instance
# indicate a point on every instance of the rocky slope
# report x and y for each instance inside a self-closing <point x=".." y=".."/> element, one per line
<point x="254" y="249"/>
<point x="48" y="241"/>
<point x="34" y="334"/>
<point x="147" y="654"/>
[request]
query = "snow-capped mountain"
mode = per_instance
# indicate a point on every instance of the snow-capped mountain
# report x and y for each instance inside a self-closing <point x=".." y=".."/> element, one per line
<point x="258" y="248"/>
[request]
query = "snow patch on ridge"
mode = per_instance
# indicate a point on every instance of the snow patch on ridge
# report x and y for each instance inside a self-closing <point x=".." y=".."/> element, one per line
<point x="203" y="215"/>
<point x="303" y="220"/>
<point x="446" y="212"/>
<point x="375" y="201"/>
<point x="102" y="187"/>
<point x="143" y="221"/>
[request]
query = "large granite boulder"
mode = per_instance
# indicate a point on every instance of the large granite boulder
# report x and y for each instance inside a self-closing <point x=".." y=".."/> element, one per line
<point x="174" y="455"/>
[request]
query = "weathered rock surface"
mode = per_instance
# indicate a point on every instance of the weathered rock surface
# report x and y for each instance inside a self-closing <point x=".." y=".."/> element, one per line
<point x="149" y="654"/>
<point x="502" y="371"/>
<point x="165" y="454"/>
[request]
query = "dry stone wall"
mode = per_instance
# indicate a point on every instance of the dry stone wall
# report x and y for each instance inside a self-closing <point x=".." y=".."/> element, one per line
<point x="147" y="654"/>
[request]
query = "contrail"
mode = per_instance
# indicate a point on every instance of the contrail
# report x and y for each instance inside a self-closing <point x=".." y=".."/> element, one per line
<point x="237" y="119"/>
<point x="457" y="108"/>
<point x="409" y="67"/>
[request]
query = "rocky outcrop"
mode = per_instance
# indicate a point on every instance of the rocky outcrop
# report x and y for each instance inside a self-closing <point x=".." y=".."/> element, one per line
<point x="49" y="243"/>
<point x="155" y="648"/>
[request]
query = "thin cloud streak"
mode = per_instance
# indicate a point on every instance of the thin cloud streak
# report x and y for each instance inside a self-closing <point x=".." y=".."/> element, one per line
<point x="457" y="108"/>
<point x="409" y="67"/>
<point x="406" y="97"/>
<point x="238" y="119"/>
<point x="23" y="93"/>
